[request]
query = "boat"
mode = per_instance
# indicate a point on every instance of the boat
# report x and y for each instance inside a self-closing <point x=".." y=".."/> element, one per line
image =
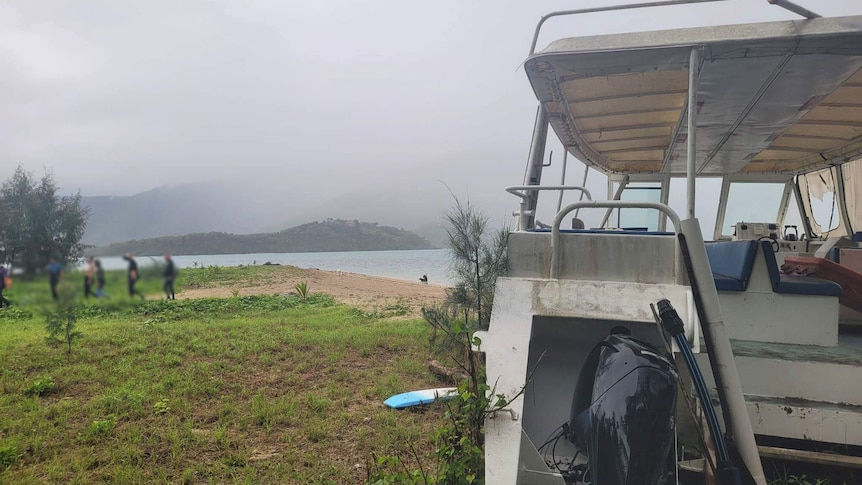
<point x="770" y="114"/>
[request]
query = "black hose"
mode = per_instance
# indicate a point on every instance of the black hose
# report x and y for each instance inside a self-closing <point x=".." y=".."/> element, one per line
<point x="727" y="473"/>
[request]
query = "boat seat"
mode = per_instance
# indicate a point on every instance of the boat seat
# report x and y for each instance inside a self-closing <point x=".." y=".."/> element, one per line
<point x="731" y="263"/>
<point x="795" y="285"/>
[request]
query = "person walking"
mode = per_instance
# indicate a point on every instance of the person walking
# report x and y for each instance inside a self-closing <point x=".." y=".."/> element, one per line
<point x="89" y="277"/>
<point x="100" y="279"/>
<point x="4" y="275"/>
<point x="133" y="276"/>
<point x="55" y="271"/>
<point x="170" y="275"/>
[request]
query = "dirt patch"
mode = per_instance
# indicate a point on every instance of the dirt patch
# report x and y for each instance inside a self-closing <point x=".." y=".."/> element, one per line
<point x="369" y="293"/>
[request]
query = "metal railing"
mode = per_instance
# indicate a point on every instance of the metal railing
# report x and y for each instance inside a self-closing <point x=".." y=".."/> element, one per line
<point x="524" y="212"/>
<point x="610" y="204"/>
<point x="786" y="4"/>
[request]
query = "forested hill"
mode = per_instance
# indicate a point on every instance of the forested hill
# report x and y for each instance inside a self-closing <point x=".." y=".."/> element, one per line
<point x="330" y="235"/>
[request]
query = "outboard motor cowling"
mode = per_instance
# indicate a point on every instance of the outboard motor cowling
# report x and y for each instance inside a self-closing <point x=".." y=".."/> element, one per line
<point x="623" y="412"/>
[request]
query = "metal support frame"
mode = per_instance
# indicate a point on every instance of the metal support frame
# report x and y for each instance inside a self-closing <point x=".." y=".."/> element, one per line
<point x="534" y="167"/>
<point x="691" y="142"/>
<point x="623" y="183"/>
<point x="583" y="184"/>
<point x="806" y="222"/>
<point x="722" y="207"/>
<point x="563" y="178"/>
<point x="608" y="9"/>
<point x="665" y="199"/>
<point x="842" y="199"/>
<point x="528" y="192"/>
<point x="786" y="4"/>
<point x="782" y="206"/>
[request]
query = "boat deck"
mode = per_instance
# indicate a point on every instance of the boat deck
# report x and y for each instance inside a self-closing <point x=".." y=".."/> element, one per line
<point x="848" y="351"/>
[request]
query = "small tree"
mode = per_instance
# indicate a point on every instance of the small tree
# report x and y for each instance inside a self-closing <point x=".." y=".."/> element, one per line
<point x="61" y="322"/>
<point x="37" y="224"/>
<point x="478" y="259"/>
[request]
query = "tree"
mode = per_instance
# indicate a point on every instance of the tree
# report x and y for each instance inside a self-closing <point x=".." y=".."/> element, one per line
<point x="37" y="224"/>
<point x="478" y="259"/>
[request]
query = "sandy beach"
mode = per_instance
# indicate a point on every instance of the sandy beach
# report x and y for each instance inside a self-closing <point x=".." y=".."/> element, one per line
<point x="368" y="293"/>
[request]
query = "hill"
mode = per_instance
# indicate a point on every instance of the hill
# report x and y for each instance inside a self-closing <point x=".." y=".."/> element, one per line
<point x="329" y="235"/>
<point x="166" y="211"/>
<point x="212" y="207"/>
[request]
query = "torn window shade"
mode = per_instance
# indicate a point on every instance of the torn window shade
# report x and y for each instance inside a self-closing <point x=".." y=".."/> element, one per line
<point x="820" y="203"/>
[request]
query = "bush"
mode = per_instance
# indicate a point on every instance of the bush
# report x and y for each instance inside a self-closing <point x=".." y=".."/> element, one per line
<point x="9" y="454"/>
<point x="61" y="323"/>
<point x="40" y="387"/>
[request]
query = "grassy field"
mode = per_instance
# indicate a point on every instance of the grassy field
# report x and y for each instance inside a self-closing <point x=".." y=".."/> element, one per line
<point x="257" y="389"/>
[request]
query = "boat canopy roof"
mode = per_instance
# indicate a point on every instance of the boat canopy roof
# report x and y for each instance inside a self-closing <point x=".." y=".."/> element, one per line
<point x="778" y="97"/>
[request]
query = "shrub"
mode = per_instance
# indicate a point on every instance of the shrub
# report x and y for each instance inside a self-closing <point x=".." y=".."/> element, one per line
<point x="302" y="290"/>
<point x="40" y="387"/>
<point x="61" y="322"/>
<point x="9" y="454"/>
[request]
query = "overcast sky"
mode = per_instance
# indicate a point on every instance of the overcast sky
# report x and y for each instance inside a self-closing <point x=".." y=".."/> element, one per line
<point x="286" y="96"/>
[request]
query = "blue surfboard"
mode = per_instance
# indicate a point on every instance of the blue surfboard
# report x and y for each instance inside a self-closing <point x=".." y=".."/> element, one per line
<point x="424" y="396"/>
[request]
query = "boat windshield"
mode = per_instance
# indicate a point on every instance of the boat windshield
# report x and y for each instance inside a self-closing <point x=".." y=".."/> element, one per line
<point x="639" y="219"/>
<point x="751" y="202"/>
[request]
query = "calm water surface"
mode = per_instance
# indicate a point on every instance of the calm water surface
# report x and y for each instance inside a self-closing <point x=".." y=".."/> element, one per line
<point x="403" y="265"/>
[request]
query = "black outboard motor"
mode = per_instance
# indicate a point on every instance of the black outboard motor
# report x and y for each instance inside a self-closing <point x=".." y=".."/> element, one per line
<point x="623" y="412"/>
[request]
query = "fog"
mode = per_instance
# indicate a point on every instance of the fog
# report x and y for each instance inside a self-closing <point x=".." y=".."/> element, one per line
<point x="368" y="110"/>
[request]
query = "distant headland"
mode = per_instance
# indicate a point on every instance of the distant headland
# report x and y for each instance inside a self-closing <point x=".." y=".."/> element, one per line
<point x="328" y="235"/>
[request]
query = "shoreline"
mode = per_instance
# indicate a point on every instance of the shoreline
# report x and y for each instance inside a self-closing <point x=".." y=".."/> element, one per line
<point x="368" y="293"/>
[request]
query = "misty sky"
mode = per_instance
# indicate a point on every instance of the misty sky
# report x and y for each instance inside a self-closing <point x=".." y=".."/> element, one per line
<point x="288" y="98"/>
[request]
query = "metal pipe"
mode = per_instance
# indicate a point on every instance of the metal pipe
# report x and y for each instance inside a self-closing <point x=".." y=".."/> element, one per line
<point x="798" y="10"/>
<point x="720" y="351"/>
<point x="691" y="142"/>
<point x="524" y="212"/>
<point x="608" y="9"/>
<point x="623" y="183"/>
<point x="534" y="166"/>
<point x="563" y="178"/>
<point x="842" y="199"/>
<point x="722" y="207"/>
<point x="583" y="184"/>
<point x="514" y="189"/>
<point x="665" y="199"/>
<point x="782" y="206"/>
<point x="803" y="213"/>
<point x="611" y="204"/>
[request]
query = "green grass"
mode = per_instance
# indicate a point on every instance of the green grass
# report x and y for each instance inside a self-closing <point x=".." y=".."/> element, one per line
<point x="234" y="276"/>
<point x="262" y="389"/>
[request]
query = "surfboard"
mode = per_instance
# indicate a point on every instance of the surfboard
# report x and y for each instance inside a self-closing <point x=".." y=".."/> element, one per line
<point x="424" y="396"/>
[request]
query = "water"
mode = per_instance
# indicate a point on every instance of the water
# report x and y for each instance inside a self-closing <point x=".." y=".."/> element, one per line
<point x="402" y="265"/>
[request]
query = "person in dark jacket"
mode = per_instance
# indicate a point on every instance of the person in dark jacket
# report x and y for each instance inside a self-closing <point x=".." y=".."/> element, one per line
<point x="100" y="279"/>
<point x="89" y="276"/>
<point x="55" y="271"/>
<point x="170" y="275"/>
<point x="133" y="276"/>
